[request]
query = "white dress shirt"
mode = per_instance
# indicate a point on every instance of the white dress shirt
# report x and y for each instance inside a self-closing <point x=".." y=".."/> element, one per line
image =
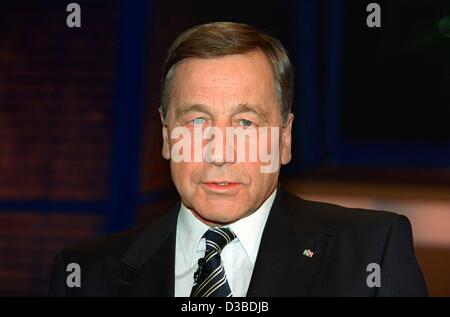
<point x="238" y="257"/>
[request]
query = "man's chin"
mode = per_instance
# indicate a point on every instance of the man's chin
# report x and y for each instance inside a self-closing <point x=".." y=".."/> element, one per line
<point x="219" y="216"/>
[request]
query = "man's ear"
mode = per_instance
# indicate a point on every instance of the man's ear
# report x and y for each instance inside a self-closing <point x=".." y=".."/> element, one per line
<point x="165" y="135"/>
<point x="286" y="140"/>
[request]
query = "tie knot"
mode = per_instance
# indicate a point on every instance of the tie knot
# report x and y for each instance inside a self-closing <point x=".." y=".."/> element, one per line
<point x="218" y="238"/>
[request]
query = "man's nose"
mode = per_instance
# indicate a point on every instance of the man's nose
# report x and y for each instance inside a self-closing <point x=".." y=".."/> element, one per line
<point x="222" y="152"/>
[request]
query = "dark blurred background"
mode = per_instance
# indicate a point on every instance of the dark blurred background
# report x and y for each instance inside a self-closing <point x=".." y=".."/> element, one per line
<point x="80" y="132"/>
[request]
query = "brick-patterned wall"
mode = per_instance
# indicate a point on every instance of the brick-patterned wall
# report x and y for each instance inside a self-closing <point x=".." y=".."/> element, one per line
<point x="28" y="243"/>
<point x="56" y="88"/>
<point x="56" y="102"/>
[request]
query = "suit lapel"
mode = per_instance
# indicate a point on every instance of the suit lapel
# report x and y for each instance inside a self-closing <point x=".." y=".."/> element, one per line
<point x="281" y="269"/>
<point x="147" y="268"/>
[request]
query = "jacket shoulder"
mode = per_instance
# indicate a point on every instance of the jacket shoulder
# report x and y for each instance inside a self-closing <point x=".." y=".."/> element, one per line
<point x="115" y="245"/>
<point x="344" y="219"/>
<point x="110" y="245"/>
<point x="99" y="258"/>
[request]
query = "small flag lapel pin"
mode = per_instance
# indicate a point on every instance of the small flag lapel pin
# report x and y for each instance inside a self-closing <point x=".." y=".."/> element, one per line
<point x="308" y="253"/>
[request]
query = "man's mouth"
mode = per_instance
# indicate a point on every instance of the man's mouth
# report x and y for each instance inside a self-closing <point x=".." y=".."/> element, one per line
<point x="221" y="185"/>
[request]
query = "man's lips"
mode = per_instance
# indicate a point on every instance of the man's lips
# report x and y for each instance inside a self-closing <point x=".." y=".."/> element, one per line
<point x="221" y="185"/>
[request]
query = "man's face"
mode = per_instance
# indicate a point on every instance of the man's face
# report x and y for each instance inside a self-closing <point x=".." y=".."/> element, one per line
<point x="229" y="91"/>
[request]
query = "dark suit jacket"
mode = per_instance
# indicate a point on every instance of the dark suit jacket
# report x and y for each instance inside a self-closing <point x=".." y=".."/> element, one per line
<point x="344" y="242"/>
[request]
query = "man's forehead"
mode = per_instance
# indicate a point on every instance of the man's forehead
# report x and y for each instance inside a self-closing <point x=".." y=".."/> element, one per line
<point x="226" y="70"/>
<point x="231" y="79"/>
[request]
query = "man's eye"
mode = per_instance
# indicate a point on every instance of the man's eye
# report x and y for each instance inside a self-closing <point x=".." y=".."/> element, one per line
<point x="198" y="121"/>
<point x="245" y="123"/>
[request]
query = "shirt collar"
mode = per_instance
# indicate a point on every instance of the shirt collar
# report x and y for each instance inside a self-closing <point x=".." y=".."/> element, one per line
<point x="248" y="230"/>
<point x="190" y="230"/>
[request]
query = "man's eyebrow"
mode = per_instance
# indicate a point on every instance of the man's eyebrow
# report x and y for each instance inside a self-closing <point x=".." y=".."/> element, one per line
<point x="196" y="107"/>
<point x="244" y="107"/>
<point x="240" y="108"/>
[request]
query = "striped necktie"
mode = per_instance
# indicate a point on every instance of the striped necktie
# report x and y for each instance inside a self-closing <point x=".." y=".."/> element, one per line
<point x="210" y="279"/>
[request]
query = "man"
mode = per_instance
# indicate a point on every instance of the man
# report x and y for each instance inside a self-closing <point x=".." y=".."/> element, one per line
<point x="235" y="231"/>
